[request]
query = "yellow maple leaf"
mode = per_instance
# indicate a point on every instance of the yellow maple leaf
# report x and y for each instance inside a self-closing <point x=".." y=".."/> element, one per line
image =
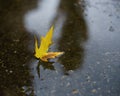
<point x="42" y="51"/>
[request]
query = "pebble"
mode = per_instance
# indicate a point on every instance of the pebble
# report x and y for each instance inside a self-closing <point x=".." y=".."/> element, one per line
<point x="53" y="91"/>
<point x="68" y="84"/>
<point x="75" y="91"/>
<point x="107" y="53"/>
<point x="11" y="71"/>
<point x="15" y="51"/>
<point x="98" y="62"/>
<point x="94" y="91"/>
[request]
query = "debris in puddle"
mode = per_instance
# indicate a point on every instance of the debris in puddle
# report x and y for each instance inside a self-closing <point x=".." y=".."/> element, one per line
<point x="75" y="91"/>
<point x="94" y="91"/>
<point x="41" y="52"/>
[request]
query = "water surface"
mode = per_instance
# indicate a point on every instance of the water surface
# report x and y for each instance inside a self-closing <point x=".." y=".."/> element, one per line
<point x="87" y="31"/>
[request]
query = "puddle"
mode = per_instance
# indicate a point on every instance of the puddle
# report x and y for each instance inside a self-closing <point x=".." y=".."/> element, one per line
<point x="88" y="32"/>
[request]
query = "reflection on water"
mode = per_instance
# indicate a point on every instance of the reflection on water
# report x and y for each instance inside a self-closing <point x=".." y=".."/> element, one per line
<point x="74" y="34"/>
<point x="40" y="19"/>
<point x="14" y="54"/>
<point x="45" y="65"/>
<point x="100" y="75"/>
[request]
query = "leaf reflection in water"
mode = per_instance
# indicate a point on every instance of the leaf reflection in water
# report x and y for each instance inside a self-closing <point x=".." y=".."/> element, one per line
<point x="45" y="65"/>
